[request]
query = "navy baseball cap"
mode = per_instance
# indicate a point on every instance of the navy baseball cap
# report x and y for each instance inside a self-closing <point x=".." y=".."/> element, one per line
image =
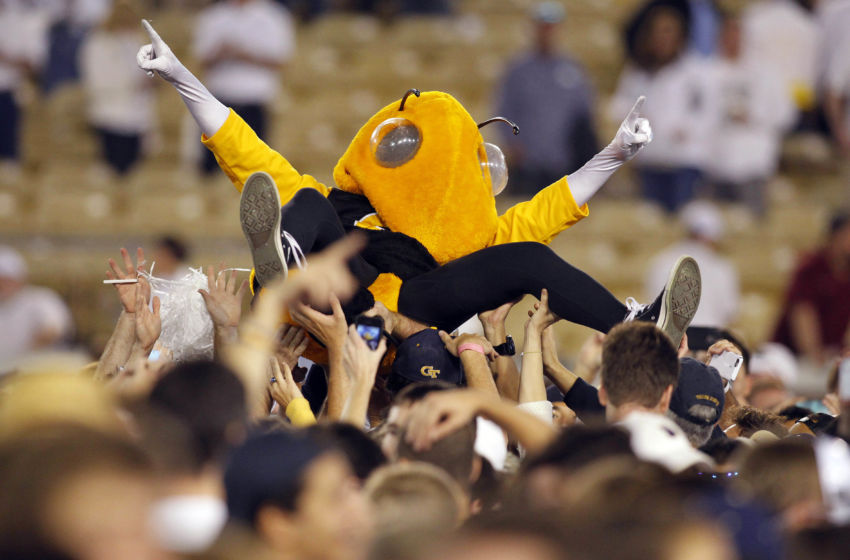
<point x="699" y="384"/>
<point x="423" y="357"/>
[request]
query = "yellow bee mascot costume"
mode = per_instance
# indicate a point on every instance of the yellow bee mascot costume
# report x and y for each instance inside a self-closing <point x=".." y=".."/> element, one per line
<point x="421" y="182"/>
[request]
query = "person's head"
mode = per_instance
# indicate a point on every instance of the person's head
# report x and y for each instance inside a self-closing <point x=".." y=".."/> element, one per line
<point x="697" y="401"/>
<point x="792" y="413"/>
<point x="169" y="254"/>
<point x="703" y="222"/>
<point x="415" y="496"/>
<point x="397" y="416"/>
<point x="299" y="496"/>
<point x="839" y="236"/>
<point x="13" y="272"/>
<point x="747" y="420"/>
<point x="454" y="453"/>
<point x="362" y="452"/>
<point x="209" y="399"/>
<point x="768" y="393"/>
<point x="783" y="475"/>
<point x="545" y="474"/>
<point x="657" y="36"/>
<point x="725" y="452"/>
<point x="519" y="533"/>
<point x="423" y="358"/>
<point x="72" y="492"/>
<point x="639" y="370"/>
<point x="547" y="18"/>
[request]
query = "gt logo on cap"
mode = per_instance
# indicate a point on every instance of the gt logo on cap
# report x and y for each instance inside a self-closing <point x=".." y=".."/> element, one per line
<point x="429" y="371"/>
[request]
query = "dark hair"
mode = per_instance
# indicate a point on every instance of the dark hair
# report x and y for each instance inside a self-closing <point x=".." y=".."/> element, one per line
<point x="581" y="445"/>
<point x="751" y="420"/>
<point x="721" y="449"/>
<point x="37" y="465"/>
<point x="639" y="362"/>
<point x="363" y="453"/>
<point x="174" y="246"/>
<point x="415" y="392"/>
<point x="838" y="221"/>
<point x="209" y="399"/>
<point x="454" y="453"/>
<point x="794" y="412"/>
<point x="637" y="28"/>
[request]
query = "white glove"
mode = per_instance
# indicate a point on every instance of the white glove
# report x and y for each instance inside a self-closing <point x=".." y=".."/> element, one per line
<point x="157" y="57"/>
<point x="634" y="133"/>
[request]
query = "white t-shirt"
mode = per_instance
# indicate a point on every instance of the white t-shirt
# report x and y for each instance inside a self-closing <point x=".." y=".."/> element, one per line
<point x="676" y="106"/>
<point x="120" y="96"/>
<point x="782" y="35"/>
<point x="721" y="290"/>
<point x="259" y="27"/>
<point x="753" y="112"/>
<point x="25" y="316"/>
<point x="23" y="37"/>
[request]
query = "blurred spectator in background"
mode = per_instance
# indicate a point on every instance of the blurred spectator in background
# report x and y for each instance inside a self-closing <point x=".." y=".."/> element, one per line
<point x="816" y="313"/>
<point x="72" y="22"/>
<point x="549" y="96"/>
<point x="674" y="84"/>
<point x="30" y="317"/>
<point x="705" y="227"/>
<point x="835" y="59"/>
<point x="242" y="46"/>
<point x="753" y="112"/>
<point x="22" y="50"/>
<point x="705" y="25"/>
<point x="120" y="98"/>
<point x="781" y="35"/>
<point x="170" y="255"/>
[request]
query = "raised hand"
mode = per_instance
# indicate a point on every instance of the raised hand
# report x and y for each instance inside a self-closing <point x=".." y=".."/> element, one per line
<point x="293" y="343"/>
<point x="283" y="388"/>
<point x="329" y="329"/>
<point x="157" y="57"/>
<point x="452" y="344"/>
<point x="541" y="316"/>
<point x="126" y="292"/>
<point x="148" y="321"/>
<point x="441" y="413"/>
<point x="634" y="132"/>
<point x="361" y="362"/>
<point x="223" y="299"/>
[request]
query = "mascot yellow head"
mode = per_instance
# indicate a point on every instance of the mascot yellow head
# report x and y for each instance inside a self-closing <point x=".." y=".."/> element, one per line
<point x="426" y="170"/>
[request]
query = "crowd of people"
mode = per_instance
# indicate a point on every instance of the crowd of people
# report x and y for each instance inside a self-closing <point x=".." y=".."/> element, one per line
<point x="358" y="395"/>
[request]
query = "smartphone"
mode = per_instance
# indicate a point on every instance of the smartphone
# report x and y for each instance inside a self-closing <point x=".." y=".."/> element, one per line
<point x="844" y="380"/>
<point x="370" y="329"/>
<point x="727" y="365"/>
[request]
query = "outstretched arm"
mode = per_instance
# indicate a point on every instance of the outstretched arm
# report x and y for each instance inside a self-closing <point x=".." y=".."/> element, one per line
<point x="239" y="151"/>
<point x="562" y="203"/>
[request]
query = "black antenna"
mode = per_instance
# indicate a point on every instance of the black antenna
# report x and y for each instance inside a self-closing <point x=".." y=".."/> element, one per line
<point x="414" y="91"/>
<point x="500" y="119"/>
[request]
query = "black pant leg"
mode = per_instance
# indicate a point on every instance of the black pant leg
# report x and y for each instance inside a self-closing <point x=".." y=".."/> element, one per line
<point x="485" y="279"/>
<point x="10" y="115"/>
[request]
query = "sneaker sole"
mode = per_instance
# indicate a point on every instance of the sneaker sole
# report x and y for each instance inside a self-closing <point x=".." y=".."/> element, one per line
<point x="681" y="299"/>
<point x="259" y="214"/>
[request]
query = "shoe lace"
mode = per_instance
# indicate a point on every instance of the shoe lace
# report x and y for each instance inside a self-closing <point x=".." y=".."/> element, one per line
<point x="634" y="308"/>
<point x="294" y="251"/>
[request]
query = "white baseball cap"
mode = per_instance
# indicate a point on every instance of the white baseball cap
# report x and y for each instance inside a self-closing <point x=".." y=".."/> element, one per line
<point x="657" y="439"/>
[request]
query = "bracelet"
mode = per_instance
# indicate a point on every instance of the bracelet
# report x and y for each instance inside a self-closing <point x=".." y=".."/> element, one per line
<point x="532" y="352"/>
<point x="470" y="346"/>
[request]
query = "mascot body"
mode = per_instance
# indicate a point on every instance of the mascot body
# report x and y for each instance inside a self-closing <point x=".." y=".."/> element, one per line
<point x="441" y="199"/>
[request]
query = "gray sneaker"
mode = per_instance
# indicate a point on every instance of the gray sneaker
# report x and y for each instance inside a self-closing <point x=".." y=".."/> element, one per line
<point x="259" y="213"/>
<point x="675" y="307"/>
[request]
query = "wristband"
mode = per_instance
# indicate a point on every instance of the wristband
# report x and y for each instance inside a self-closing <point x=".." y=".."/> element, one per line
<point x="470" y="346"/>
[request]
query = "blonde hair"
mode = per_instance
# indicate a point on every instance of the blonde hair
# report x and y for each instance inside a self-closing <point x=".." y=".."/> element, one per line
<point x="416" y="495"/>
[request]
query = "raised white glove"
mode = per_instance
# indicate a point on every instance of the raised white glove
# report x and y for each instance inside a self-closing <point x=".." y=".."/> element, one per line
<point x="157" y="57"/>
<point x="634" y="133"/>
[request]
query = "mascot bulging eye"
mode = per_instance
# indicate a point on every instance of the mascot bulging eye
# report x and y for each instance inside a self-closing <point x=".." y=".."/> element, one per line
<point x="394" y="142"/>
<point x="495" y="165"/>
